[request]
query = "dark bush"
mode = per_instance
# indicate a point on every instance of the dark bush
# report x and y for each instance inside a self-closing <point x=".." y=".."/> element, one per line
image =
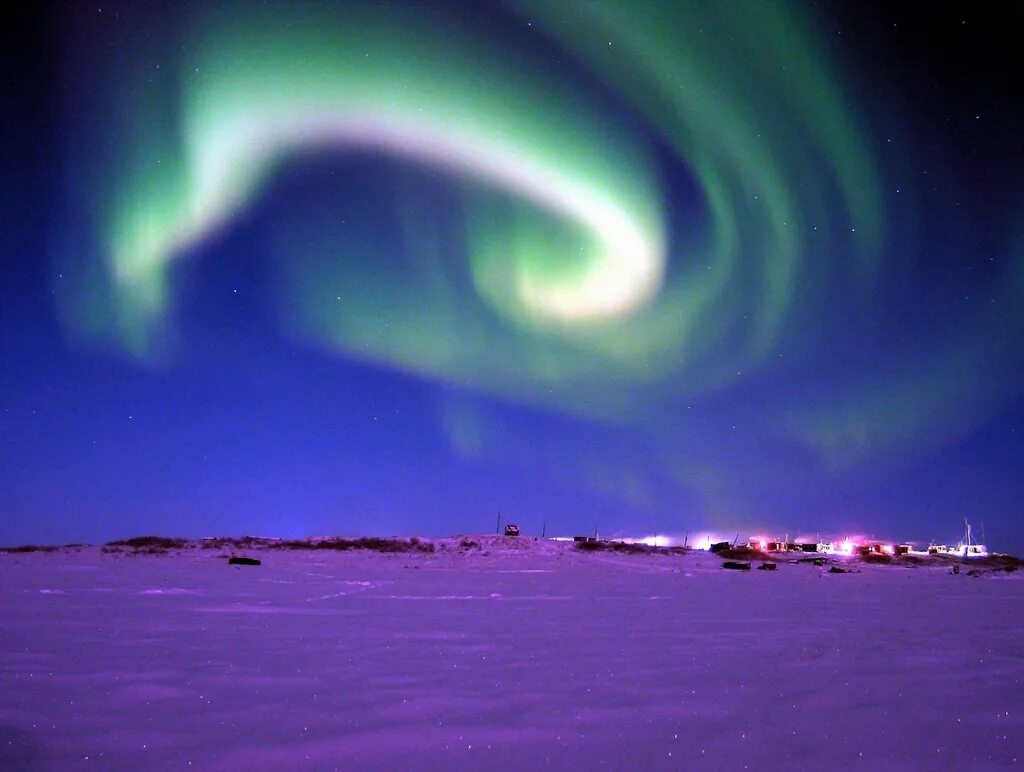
<point x="998" y="560"/>
<point x="159" y="542"/>
<point x="615" y="546"/>
<point x="28" y="548"/>
<point x="874" y="557"/>
<point x="376" y="543"/>
<point x="739" y="553"/>
<point x="218" y="543"/>
<point x="632" y="549"/>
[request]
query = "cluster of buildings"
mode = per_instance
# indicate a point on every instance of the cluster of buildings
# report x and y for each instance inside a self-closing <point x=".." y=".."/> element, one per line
<point x="849" y="547"/>
<point x="845" y="547"/>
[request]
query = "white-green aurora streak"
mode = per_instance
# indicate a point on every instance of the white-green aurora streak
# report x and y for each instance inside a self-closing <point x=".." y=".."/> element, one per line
<point x="585" y="257"/>
<point x="595" y="290"/>
<point x="255" y="94"/>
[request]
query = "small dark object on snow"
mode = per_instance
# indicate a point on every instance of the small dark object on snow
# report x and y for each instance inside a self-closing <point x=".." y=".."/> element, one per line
<point x="736" y="566"/>
<point x="819" y="561"/>
<point x="719" y="546"/>
<point x="975" y="572"/>
<point x="236" y="561"/>
<point x="767" y="567"/>
<point x="838" y="570"/>
<point x="956" y="570"/>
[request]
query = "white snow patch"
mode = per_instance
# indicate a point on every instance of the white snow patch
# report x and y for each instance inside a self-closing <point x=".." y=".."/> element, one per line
<point x="535" y="655"/>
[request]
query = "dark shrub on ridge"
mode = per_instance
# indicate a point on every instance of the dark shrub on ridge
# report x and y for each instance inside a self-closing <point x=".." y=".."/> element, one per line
<point x="157" y="542"/>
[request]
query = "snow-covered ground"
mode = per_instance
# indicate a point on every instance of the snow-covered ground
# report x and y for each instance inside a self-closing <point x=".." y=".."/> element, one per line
<point x="519" y="657"/>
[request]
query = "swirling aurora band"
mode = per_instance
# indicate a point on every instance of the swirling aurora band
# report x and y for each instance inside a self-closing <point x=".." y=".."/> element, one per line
<point x="254" y="92"/>
<point x="587" y="273"/>
<point x="267" y="92"/>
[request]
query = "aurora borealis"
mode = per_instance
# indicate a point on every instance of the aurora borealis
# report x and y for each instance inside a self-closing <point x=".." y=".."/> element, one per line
<point x="645" y="266"/>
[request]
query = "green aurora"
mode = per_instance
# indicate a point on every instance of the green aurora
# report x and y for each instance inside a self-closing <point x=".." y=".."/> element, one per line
<point x="588" y="287"/>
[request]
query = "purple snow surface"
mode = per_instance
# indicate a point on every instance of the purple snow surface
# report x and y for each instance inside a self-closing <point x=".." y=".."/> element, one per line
<point x="515" y="659"/>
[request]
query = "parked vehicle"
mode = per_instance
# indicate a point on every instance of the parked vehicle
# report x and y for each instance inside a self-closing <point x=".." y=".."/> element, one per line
<point x="511" y="530"/>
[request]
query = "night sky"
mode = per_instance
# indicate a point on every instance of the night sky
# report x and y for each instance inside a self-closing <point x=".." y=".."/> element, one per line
<point x="394" y="268"/>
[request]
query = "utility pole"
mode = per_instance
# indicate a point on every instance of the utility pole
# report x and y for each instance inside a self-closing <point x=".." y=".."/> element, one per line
<point x="544" y="530"/>
<point x="497" y="528"/>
